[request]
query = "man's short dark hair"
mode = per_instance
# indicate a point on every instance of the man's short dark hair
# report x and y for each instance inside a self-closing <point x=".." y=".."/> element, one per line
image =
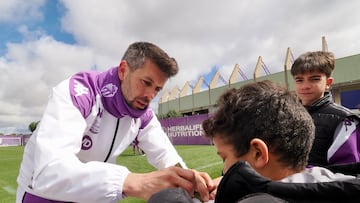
<point x="138" y="52"/>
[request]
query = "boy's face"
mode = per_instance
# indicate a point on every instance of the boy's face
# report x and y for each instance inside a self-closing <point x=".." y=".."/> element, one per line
<point x="258" y="157"/>
<point x="226" y="152"/>
<point x="311" y="86"/>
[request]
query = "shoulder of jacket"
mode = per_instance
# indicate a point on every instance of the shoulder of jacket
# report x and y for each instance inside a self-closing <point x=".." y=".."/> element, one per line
<point x="146" y="118"/>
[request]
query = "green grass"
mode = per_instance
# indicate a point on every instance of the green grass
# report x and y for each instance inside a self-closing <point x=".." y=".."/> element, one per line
<point x="199" y="157"/>
<point x="10" y="158"/>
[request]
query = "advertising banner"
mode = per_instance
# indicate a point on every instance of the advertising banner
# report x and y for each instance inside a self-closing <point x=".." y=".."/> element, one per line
<point x="185" y="130"/>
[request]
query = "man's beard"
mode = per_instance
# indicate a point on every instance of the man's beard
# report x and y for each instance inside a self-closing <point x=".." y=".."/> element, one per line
<point x="144" y="100"/>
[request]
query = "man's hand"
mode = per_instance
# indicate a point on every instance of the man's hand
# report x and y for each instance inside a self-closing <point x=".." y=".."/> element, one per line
<point x="145" y="185"/>
<point x="204" y="185"/>
<point x="216" y="182"/>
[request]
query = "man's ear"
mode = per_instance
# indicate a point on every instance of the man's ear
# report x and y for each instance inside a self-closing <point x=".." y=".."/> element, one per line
<point x="121" y="69"/>
<point x="259" y="153"/>
<point x="329" y="82"/>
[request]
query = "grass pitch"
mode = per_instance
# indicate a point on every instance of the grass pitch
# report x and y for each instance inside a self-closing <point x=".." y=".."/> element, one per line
<point x="199" y="157"/>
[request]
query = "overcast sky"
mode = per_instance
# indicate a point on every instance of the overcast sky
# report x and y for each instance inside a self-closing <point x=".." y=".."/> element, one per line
<point x="45" y="41"/>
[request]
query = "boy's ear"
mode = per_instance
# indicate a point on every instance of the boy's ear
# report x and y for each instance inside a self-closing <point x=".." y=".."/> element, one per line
<point x="329" y="82"/>
<point x="259" y="153"/>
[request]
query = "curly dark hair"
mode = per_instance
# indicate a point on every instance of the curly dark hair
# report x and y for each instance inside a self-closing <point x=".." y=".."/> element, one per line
<point x="267" y="111"/>
<point x="138" y="52"/>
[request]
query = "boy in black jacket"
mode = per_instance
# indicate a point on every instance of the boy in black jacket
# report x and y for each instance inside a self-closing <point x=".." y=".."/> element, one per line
<point x="337" y="128"/>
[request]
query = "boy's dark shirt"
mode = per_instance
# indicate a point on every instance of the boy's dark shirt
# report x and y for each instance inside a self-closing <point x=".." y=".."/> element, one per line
<point x="241" y="180"/>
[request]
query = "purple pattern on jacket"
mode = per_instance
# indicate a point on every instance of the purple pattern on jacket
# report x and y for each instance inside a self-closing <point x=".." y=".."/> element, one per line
<point x="30" y="198"/>
<point x="84" y="87"/>
<point x="349" y="152"/>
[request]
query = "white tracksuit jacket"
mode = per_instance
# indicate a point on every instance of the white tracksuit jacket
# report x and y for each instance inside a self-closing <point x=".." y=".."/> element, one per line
<point x="86" y="125"/>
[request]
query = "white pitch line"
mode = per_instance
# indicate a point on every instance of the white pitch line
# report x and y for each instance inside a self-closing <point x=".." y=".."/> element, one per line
<point x="208" y="165"/>
<point x="9" y="189"/>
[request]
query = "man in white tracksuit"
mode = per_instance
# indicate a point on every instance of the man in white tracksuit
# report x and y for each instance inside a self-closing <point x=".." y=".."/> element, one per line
<point x="93" y="117"/>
